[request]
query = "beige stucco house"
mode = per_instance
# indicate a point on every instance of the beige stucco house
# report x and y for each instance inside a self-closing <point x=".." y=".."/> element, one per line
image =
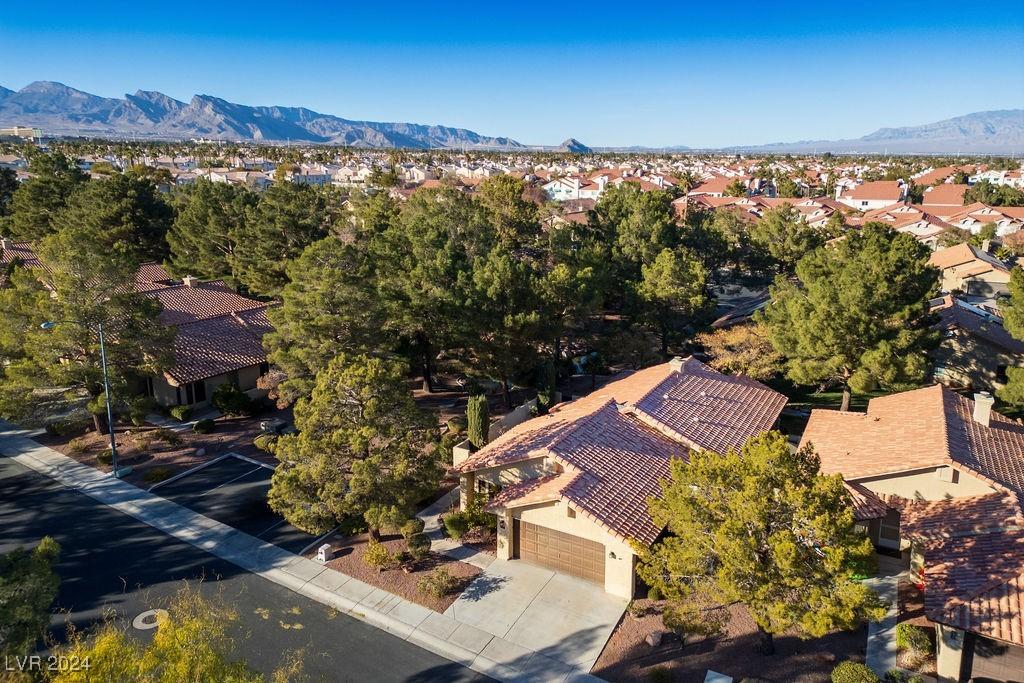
<point x="973" y="271"/>
<point x="570" y="488"/>
<point x="944" y="475"/>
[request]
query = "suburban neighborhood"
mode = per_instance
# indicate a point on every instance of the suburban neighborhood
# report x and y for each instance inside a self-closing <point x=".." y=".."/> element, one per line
<point x="289" y="397"/>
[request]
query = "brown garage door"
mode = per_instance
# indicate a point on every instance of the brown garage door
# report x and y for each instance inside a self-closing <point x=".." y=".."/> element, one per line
<point x="559" y="551"/>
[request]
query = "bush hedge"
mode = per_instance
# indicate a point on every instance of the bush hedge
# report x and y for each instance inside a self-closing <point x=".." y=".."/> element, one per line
<point x="181" y="413"/>
<point x="456" y="524"/>
<point x="853" y="672"/>
<point x="913" y="638"/>
<point x="438" y="583"/>
<point x="204" y="426"/>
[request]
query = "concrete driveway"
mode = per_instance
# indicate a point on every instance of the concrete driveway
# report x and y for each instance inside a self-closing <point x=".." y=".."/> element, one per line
<point x="567" y="620"/>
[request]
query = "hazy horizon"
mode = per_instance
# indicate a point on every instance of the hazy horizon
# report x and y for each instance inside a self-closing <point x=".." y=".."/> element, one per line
<point x="701" y="77"/>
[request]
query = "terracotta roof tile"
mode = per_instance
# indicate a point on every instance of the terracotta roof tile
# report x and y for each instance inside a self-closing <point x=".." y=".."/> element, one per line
<point x="918" y="429"/>
<point x="617" y="442"/>
<point x="976" y="583"/>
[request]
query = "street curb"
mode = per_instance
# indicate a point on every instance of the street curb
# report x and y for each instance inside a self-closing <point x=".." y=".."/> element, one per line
<point x="252" y="554"/>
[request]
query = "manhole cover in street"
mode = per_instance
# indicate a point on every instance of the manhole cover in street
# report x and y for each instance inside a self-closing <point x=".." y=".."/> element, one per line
<point x="149" y="619"/>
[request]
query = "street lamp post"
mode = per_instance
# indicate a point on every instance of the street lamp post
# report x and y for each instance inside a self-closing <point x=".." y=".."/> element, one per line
<point x="116" y="471"/>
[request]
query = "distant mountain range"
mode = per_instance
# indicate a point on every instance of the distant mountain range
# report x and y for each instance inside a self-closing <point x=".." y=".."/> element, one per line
<point x="984" y="132"/>
<point x="61" y="110"/>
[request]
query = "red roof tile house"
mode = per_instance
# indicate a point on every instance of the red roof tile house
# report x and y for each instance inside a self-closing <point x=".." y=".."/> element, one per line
<point x="950" y="473"/>
<point x="872" y="195"/>
<point x="570" y="488"/>
<point x="219" y="333"/>
<point x="218" y="340"/>
<point x="971" y="270"/>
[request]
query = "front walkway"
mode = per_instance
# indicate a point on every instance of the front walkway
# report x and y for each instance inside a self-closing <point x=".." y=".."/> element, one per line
<point x="881" y="652"/>
<point x="443" y="634"/>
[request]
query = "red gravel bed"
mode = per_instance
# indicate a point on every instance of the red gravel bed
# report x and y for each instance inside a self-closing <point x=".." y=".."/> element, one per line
<point x="348" y="559"/>
<point x="627" y="658"/>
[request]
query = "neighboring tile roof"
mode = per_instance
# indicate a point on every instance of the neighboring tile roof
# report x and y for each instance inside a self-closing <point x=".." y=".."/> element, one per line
<point x="931" y="520"/>
<point x="184" y="304"/>
<point x="866" y="504"/>
<point x="946" y="194"/>
<point x="22" y="251"/>
<point x="615" y="445"/>
<point x="218" y="331"/>
<point x="215" y="346"/>
<point x="976" y="583"/>
<point x="889" y="190"/>
<point x="964" y="253"/>
<point x="954" y="315"/>
<point x="152" y="272"/>
<point x="918" y="429"/>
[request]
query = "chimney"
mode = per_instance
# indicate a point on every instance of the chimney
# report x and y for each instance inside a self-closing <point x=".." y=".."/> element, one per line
<point x="983" y="407"/>
<point x="986" y="245"/>
<point x="677" y="363"/>
<point x="190" y="281"/>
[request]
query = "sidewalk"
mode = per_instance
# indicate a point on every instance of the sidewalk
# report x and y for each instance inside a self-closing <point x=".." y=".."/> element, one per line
<point x="881" y="652"/>
<point x="437" y="633"/>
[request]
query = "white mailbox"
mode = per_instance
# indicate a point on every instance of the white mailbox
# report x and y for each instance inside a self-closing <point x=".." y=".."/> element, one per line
<point x="324" y="553"/>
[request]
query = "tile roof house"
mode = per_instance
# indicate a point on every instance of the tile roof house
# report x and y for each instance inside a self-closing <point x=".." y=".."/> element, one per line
<point x="971" y="270"/>
<point x="951" y="471"/>
<point x="872" y="195"/>
<point x="570" y="488"/>
<point x="218" y="332"/>
<point x="218" y="339"/>
<point x="976" y="349"/>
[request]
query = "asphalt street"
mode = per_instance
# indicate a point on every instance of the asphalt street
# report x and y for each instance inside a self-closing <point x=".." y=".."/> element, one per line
<point x="112" y="563"/>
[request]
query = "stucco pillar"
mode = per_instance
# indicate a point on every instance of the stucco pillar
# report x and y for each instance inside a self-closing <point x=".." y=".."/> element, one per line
<point x="505" y="535"/>
<point x="467" y="489"/>
<point x="949" y="655"/>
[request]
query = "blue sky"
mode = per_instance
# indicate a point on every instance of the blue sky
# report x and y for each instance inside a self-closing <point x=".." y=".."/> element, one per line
<point x="606" y="73"/>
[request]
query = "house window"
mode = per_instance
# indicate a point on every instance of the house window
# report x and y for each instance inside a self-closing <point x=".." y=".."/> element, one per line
<point x="570" y="512"/>
<point x="150" y="391"/>
<point x="195" y="392"/>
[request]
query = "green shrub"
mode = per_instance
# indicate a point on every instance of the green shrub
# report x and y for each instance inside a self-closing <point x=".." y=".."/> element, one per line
<point x="456" y="524"/>
<point x="412" y="527"/>
<point x="265" y="442"/>
<point x="853" y="672"/>
<point x="419" y="545"/>
<point x="913" y="638"/>
<point x="52" y="428"/>
<point x="478" y="420"/>
<point x="378" y="556"/>
<point x="443" y="451"/>
<point x="458" y="424"/>
<point x="204" y="426"/>
<point x="77" y="446"/>
<point x="105" y="458"/>
<point x="660" y="674"/>
<point x="181" y="413"/>
<point x="157" y="475"/>
<point x="230" y="400"/>
<point x="138" y="408"/>
<point x="438" y="583"/>
<point x="654" y="593"/>
<point x="168" y="436"/>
